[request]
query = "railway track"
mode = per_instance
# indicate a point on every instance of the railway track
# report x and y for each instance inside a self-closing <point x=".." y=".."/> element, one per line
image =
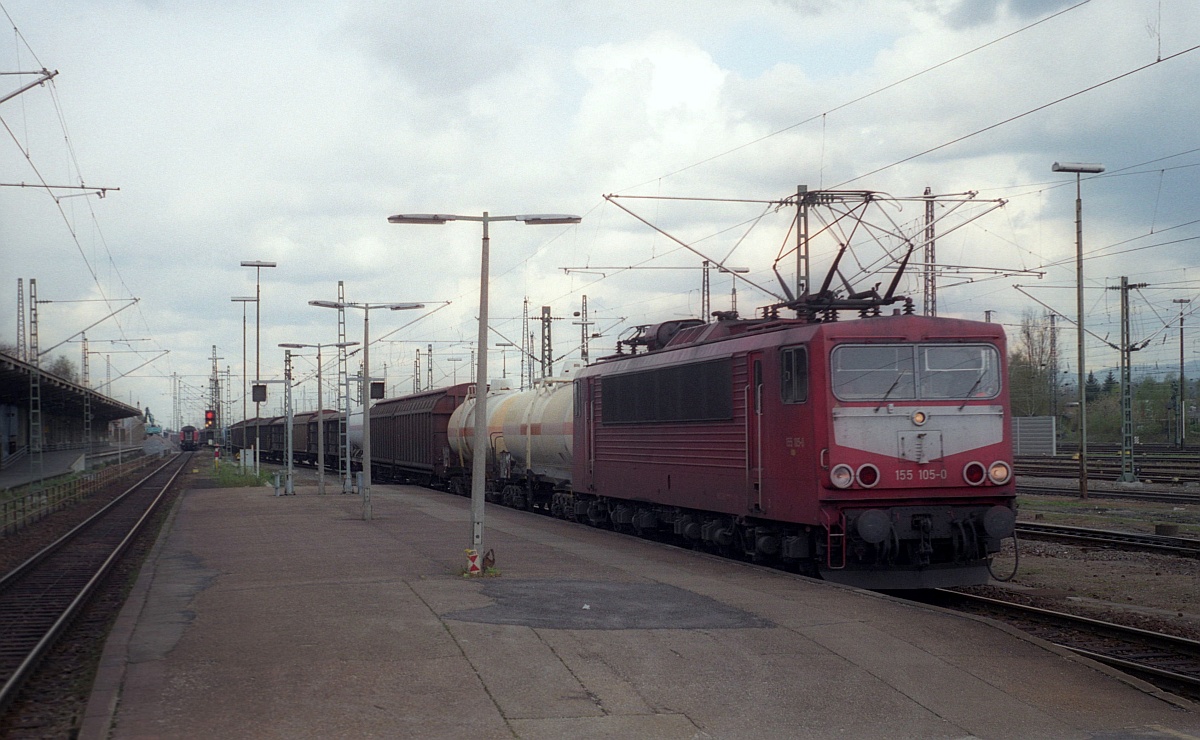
<point x="1072" y="489"/>
<point x="40" y="598"/>
<point x="1168" y="662"/>
<point x="1156" y="468"/>
<point x="1182" y="546"/>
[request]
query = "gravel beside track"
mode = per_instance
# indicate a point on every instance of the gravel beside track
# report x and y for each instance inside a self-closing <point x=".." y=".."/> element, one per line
<point x="54" y="698"/>
<point x="1147" y="590"/>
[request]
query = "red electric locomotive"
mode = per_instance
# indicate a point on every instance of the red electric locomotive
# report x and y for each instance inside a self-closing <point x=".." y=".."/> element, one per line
<point x="875" y="452"/>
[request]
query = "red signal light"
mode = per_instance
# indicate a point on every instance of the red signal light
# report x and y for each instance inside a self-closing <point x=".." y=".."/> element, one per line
<point x="210" y="418"/>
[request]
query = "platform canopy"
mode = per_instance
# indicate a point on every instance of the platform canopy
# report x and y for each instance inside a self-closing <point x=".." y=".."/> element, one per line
<point x="59" y="396"/>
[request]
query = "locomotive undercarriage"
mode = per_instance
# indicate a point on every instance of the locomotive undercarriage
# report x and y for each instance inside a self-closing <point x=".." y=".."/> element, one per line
<point x="882" y="548"/>
<point x="915" y="546"/>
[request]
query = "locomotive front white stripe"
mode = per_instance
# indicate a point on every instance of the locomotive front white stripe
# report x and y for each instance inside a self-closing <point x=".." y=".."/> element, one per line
<point x="889" y="430"/>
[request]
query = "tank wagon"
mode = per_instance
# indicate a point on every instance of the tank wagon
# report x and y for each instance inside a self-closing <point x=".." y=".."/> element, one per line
<point x="530" y="441"/>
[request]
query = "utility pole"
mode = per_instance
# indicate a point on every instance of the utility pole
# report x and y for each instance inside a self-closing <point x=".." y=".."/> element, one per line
<point x="21" y="352"/>
<point x="585" y="333"/>
<point x="1126" y="349"/>
<point x="547" y="344"/>
<point x="930" y="257"/>
<point x="526" y="348"/>
<point x="36" y="462"/>
<point x="1054" y="371"/>
<point x="1182" y="381"/>
<point x="343" y="394"/>
<point x="214" y="393"/>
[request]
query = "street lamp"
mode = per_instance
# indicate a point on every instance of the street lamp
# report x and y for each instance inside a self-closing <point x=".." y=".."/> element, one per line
<point x="244" y="300"/>
<point x="478" y="462"/>
<point x="455" y="360"/>
<point x="1079" y="169"/>
<point x="504" y="357"/>
<point x="320" y="409"/>
<point x="366" y="385"/>
<point x="258" y="265"/>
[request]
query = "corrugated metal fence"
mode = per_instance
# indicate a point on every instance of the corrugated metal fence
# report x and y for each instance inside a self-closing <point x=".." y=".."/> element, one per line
<point x="1034" y="435"/>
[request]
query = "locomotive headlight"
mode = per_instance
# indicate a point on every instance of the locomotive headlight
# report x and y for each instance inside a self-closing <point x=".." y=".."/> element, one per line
<point x="842" y="476"/>
<point x="919" y="417"/>
<point x="999" y="472"/>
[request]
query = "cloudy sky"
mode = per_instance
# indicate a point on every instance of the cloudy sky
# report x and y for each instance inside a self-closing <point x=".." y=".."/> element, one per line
<point x="289" y="132"/>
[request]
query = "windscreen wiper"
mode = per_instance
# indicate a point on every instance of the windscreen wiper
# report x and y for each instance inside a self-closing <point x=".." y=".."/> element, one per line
<point x="895" y="383"/>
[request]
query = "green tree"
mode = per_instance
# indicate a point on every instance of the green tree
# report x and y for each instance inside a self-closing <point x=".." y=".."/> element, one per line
<point x="1091" y="389"/>
<point x="1152" y="410"/>
<point x="1104" y="419"/>
<point x="1111" y="384"/>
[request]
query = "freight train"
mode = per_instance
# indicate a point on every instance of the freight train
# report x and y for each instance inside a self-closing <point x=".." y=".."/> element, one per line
<point x="874" y="452"/>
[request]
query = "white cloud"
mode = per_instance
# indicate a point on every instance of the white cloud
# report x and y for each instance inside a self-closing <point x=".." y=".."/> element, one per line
<point x="291" y="133"/>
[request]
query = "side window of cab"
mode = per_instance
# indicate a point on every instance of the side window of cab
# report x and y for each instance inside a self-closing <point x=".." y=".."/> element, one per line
<point x="794" y="374"/>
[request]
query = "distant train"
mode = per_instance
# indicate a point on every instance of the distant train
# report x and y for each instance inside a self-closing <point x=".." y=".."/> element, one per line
<point x="874" y="452"/>
<point x="189" y="439"/>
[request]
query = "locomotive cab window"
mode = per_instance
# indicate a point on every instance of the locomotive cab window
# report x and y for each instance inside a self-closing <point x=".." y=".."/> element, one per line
<point x="912" y="372"/>
<point x="959" y="371"/>
<point x="874" y="372"/>
<point x="793" y="374"/>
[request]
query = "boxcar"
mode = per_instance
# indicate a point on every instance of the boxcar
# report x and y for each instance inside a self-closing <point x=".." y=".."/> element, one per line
<point x="408" y="435"/>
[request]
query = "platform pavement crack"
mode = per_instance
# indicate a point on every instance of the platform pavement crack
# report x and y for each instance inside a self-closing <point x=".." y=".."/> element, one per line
<point x="462" y="651"/>
<point x="594" y="698"/>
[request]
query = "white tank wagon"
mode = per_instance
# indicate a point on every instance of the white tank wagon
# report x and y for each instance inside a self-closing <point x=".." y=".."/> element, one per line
<point x="530" y="437"/>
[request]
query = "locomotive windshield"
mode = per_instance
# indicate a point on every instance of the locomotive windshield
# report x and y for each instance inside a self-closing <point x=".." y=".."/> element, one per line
<point x="906" y="372"/>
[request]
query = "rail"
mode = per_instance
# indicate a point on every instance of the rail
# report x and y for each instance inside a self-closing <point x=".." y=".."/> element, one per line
<point x="1169" y="662"/>
<point x="21" y="510"/>
<point x="1183" y="546"/>
<point x="40" y="597"/>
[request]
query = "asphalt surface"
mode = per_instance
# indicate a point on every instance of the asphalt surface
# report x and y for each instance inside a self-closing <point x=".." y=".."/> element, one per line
<point x="263" y="616"/>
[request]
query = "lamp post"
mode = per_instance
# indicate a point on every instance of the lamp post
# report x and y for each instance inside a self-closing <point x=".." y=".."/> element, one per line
<point x="504" y="357"/>
<point x="479" y="444"/>
<point x="242" y="299"/>
<point x="1182" y="382"/>
<point x="258" y="266"/>
<point x="320" y="409"/>
<point x="366" y="385"/>
<point x="1079" y="169"/>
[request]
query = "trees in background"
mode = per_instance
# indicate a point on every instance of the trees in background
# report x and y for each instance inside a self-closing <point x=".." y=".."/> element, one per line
<point x="1032" y="392"/>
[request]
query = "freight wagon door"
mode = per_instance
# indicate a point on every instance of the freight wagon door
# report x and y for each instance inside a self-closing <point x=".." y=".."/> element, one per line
<point x="754" y="428"/>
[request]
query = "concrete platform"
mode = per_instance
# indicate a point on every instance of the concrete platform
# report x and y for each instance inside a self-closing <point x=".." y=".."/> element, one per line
<point x="263" y="616"/>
